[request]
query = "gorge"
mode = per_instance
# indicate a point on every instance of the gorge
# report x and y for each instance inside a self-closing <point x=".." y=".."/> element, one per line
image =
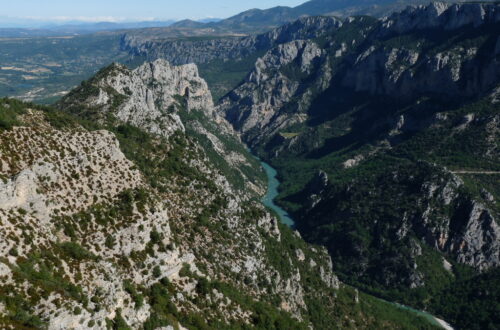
<point x="321" y="172"/>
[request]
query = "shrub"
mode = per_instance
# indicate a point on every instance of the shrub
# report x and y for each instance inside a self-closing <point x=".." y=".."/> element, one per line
<point x="136" y="297"/>
<point x="110" y="241"/>
<point x="13" y="252"/>
<point x="76" y="251"/>
<point x="156" y="272"/>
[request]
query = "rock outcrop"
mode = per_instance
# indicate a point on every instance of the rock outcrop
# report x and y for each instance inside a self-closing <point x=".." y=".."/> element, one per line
<point x="145" y="97"/>
<point x="406" y="71"/>
<point x="441" y="15"/>
<point x="409" y="72"/>
<point x="254" y="108"/>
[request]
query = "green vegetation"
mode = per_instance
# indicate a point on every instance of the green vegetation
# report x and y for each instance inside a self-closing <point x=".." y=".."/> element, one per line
<point x="158" y="159"/>
<point x="120" y="213"/>
<point x="233" y="173"/>
<point x="359" y="220"/>
<point x="9" y="110"/>
<point x="264" y="315"/>
<point x="346" y="312"/>
<point x="471" y="303"/>
<point x="222" y="76"/>
<point x="50" y="66"/>
<point x="118" y="323"/>
<point x="18" y="310"/>
<point x="462" y="150"/>
<point x="19" y="314"/>
<point x="136" y="296"/>
<point x="387" y="315"/>
<point x="43" y="271"/>
<point x="75" y="251"/>
<point x="163" y="310"/>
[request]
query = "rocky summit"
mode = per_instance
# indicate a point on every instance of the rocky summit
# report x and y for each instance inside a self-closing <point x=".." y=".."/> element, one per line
<point x="144" y="96"/>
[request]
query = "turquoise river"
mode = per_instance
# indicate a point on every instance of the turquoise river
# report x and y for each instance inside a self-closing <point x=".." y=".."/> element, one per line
<point x="268" y="200"/>
<point x="272" y="193"/>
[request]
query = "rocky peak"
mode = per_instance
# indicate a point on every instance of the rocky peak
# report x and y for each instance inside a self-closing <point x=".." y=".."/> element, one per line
<point x="148" y="97"/>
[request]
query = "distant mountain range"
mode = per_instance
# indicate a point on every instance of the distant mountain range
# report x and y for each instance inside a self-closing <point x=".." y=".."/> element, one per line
<point x="273" y="17"/>
<point x="248" y="22"/>
<point x="256" y="21"/>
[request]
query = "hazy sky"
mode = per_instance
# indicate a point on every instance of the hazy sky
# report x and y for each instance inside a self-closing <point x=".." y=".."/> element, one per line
<point x="118" y="10"/>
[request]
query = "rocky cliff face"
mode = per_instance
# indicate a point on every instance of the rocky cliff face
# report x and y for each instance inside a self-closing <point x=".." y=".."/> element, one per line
<point x="441" y="15"/>
<point x="254" y="107"/>
<point x="144" y="97"/>
<point x="377" y="67"/>
<point x="443" y="216"/>
<point x="408" y="73"/>
<point x="235" y="48"/>
<point x="409" y="70"/>
<point x="278" y="92"/>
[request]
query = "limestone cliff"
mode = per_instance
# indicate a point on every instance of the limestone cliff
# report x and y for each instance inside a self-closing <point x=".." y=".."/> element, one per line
<point x="143" y="43"/>
<point x="144" y="97"/>
<point x="443" y="15"/>
<point x="254" y="107"/>
<point x="407" y="70"/>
